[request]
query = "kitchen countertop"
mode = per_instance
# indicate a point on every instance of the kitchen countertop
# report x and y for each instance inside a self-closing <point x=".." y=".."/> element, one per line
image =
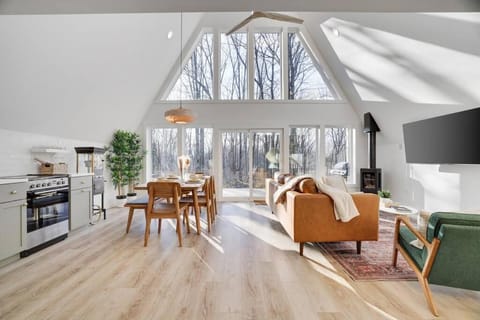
<point x="74" y="175"/>
<point x="8" y="181"/>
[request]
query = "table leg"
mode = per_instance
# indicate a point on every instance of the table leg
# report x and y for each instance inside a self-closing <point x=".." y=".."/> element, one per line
<point x="197" y="209"/>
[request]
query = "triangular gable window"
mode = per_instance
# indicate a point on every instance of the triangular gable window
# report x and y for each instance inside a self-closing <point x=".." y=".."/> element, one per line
<point x="196" y="80"/>
<point x="305" y="78"/>
<point x="305" y="81"/>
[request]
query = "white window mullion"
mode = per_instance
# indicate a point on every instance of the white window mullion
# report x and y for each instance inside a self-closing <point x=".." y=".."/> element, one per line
<point x="250" y="63"/>
<point x="216" y="65"/>
<point x="322" y="169"/>
<point x="284" y="61"/>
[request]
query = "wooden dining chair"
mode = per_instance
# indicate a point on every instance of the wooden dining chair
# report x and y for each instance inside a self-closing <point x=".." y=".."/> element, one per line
<point x="204" y="200"/>
<point x="157" y="209"/>
<point x="214" y="197"/>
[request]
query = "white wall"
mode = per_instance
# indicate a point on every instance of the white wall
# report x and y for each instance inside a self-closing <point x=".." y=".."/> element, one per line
<point x="17" y="158"/>
<point x="402" y="68"/>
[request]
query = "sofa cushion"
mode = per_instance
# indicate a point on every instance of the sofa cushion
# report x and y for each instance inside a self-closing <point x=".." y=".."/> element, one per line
<point x="307" y="186"/>
<point x="335" y="182"/>
<point x="280" y="177"/>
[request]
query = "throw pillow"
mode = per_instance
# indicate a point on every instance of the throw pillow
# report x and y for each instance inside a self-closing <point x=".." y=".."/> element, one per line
<point x="307" y="186"/>
<point x="336" y="181"/>
<point x="281" y="177"/>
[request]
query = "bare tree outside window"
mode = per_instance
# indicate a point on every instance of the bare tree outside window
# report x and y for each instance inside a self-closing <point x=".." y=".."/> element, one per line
<point x="336" y="152"/>
<point x="303" y="151"/>
<point x="267" y="66"/>
<point x="199" y="147"/>
<point x="235" y="159"/>
<point x="164" y="151"/>
<point x="233" y="66"/>
<point x="197" y="74"/>
<point x="304" y="79"/>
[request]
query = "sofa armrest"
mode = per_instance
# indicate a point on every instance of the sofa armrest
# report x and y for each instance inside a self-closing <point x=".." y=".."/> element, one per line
<point x="313" y="218"/>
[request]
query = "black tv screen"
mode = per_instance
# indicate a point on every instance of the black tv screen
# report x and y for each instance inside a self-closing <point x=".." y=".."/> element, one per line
<point x="452" y="138"/>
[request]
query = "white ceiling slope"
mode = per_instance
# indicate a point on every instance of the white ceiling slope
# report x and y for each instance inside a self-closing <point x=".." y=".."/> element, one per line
<point x="402" y="67"/>
<point x="135" y="6"/>
<point x="83" y="76"/>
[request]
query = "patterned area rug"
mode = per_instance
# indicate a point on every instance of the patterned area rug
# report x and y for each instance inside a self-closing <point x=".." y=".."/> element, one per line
<point x="375" y="261"/>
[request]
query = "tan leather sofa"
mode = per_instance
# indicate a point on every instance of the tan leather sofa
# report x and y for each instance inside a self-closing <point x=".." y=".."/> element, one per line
<point x="309" y="217"/>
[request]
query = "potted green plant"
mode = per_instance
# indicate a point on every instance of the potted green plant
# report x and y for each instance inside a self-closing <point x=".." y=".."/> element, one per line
<point x="385" y="197"/>
<point x="134" y="161"/>
<point x="117" y="160"/>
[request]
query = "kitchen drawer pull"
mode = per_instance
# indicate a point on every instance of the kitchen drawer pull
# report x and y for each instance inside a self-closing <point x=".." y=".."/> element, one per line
<point x="13" y="192"/>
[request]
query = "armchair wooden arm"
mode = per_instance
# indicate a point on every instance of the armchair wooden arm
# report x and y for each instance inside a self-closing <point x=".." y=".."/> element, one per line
<point x="422" y="274"/>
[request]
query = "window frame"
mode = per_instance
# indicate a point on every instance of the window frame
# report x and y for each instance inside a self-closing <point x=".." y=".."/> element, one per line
<point x="216" y="85"/>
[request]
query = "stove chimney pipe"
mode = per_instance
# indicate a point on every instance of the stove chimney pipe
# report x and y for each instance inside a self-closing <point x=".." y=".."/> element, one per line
<point x="371" y="128"/>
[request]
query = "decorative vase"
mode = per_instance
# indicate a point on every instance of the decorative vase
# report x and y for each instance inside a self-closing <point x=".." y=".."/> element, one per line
<point x="386" y="202"/>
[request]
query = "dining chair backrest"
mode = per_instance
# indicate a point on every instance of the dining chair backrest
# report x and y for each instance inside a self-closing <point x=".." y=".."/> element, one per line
<point x="163" y="190"/>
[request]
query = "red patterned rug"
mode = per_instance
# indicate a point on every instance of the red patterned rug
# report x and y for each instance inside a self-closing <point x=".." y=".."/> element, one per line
<point x="375" y="261"/>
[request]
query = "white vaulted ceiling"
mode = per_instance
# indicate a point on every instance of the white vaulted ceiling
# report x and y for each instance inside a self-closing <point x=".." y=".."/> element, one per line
<point x="84" y="75"/>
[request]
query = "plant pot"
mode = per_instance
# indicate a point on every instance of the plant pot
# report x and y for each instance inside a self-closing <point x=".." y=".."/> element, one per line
<point x="385" y="202"/>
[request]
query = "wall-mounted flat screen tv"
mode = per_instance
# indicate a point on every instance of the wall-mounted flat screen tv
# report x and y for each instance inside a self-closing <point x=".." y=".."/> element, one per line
<point x="452" y="138"/>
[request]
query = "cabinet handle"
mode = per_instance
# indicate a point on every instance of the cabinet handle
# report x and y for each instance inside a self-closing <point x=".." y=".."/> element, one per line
<point x="82" y="182"/>
<point x="13" y="192"/>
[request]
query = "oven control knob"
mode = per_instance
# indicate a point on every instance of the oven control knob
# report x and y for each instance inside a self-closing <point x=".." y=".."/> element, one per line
<point x="49" y="184"/>
<point x="43" y="185"/>
<point x="63" y="182"/>
<point x="38" y="185"/>
<point x="58" y="182"/>
<point x="32" y="186"/>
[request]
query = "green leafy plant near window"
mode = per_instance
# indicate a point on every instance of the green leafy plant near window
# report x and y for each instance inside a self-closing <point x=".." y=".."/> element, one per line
<point x="384" y="194"/>
<point x="124" y="158"/>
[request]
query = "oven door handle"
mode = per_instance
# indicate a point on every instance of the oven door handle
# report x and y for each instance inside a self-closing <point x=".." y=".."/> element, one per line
<point x="50" y="191"/>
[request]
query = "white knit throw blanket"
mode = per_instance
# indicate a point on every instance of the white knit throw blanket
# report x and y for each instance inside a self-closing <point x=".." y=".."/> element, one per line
<point x="279" y="195"/>
<point x="343" y="205"/>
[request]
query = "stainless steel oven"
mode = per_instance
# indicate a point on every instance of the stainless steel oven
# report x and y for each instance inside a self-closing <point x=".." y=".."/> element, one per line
<point x="47" y="211"/>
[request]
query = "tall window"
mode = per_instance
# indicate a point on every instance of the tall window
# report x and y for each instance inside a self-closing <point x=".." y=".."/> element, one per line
<point x="304" y="80"/>
<point x="303" y="151"/>
<point x="233" y="67"/>
<point x="199" y="147"/>
<point x="338" y="152"/>
<point x="267" y="66"/>
<point x="196" y="80"/>
<point x="164" y="151"/>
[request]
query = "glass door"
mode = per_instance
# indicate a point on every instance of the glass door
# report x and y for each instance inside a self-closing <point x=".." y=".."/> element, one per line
<point x="248" y="158"/>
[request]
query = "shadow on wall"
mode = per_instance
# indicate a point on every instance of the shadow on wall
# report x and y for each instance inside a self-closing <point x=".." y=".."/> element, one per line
<point x="445" y="187"/>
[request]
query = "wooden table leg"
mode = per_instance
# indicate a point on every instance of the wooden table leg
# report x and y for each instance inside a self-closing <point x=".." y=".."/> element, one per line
<point x="197" y="209"/>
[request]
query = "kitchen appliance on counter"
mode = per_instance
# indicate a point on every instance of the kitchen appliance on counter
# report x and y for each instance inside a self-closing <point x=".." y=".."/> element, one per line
<point x="47" y="211"/>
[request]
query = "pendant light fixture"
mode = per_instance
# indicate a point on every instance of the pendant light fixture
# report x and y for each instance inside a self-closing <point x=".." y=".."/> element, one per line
<point x="180" y="115"/>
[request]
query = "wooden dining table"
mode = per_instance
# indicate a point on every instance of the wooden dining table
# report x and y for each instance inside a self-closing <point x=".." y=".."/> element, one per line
<point x="186" y="187"/>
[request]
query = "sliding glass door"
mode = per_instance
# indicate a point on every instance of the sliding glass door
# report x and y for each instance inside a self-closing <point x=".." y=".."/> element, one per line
<point x="248" y="158"/>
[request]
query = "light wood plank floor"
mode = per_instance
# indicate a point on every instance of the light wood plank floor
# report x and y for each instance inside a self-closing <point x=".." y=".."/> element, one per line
<point x="247" y="268"/>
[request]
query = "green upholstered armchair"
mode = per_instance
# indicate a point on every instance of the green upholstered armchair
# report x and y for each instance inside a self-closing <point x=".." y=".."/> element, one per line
<point x="451" y="252"/>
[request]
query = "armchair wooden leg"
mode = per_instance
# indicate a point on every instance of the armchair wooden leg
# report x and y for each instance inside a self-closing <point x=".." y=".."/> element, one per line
<point x="130" y="216"/>
<point x="301" y="248"/>
<point x="395" y="255"/>
<point x="359" y="247"/>
<point x="428" y="295"/>
<point x="159" y="225"/>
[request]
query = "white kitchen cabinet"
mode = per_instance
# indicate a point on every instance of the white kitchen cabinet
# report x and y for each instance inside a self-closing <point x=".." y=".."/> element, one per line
<point x="81" y="197"/>
<point x="13" y="218"/>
